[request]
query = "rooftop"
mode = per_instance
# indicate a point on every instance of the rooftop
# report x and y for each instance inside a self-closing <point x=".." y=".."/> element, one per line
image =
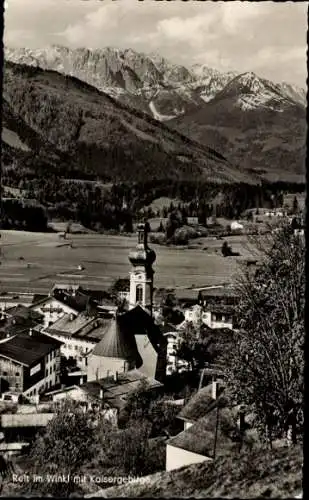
<point x="200" y="437"/>
<point x="81" y="326"/>
<point x="116" y="391"/>
<point x="26" y="349"/>
<point x="220" y="308"/>
<point x="184" y="294"/>
<point x="24" y="312"/>
<point x="118" y="342"/>
<point x="224" y="291"/>
<point x="201" y="403"/>
<point x="77" y="300"/>
<point x="16" y="325"/>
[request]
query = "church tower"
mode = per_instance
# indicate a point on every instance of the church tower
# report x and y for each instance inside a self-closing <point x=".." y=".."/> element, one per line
<point x="141" y="274"/>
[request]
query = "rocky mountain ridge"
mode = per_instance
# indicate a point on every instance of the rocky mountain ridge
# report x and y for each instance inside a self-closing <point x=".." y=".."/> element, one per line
<point x="70" y="126"/>
<point x="147" y="81"/>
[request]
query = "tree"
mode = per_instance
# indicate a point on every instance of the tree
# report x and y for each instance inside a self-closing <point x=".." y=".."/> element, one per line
<point x="6" y="470"/>
<point x="63" y="449"/>
<point x="265" y="370"/>
<point x="145" y="415"/>
<point x="195" y="347"/>
<point x="295" y="208"/>
<point x="225" y="249"/>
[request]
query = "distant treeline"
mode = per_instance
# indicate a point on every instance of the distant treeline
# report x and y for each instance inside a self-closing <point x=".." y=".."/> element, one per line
<point x="102" y="206"/>
<point x="23" y="215"/>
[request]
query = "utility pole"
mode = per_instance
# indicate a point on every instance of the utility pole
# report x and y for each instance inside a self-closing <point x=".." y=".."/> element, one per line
<point x="216" y="430"/>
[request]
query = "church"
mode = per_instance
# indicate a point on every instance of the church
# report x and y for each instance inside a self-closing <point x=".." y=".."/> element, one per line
<point x="132" y="340"/>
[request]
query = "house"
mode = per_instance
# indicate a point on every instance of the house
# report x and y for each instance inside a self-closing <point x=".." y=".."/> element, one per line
<point x="52" y="309"/>
<point x="200" y="403"/>
<point x="193" y="314"/>
<point x="79" y="334"/>
<point x="173" y="341"/>
<point x="218" y="306"/>
<point x="186" y="297"/>
<point x="12" y="299"/>
<point x="226" y="295"/>
<point x="29" y="363"/>
<point x="21" y="311"/>
<point x="132" y="341"/>
<point x="12" y="324"/>
<point x="218" y="316"/>
<point x="111" y="391"/>
<point x="212" y="428"/>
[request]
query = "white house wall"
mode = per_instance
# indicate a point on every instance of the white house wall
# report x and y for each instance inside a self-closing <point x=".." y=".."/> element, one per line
<point x="101" y="367"/>
<point x="52" y="309"/>
<point x="73" y="347"/>
<point x="51" y="376"/>
<point x="177" y="458"/>
<point x="148" y="355"/>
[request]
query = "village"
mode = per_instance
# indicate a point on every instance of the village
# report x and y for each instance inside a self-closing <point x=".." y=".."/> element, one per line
<point x="98" y="349"/>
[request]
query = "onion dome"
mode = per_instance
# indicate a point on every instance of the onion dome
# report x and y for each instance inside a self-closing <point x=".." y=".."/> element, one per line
<point x="142" y="255"/>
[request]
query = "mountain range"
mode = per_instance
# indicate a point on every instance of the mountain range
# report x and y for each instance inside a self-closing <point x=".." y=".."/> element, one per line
<point x="258" y="126"/>
<point x="65" y="126"/>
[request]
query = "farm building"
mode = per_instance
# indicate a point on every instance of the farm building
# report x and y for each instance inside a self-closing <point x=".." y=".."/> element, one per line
<point x="212" y="428"/>
<point x="29" y="363"/>
<point x="79" y="334"/>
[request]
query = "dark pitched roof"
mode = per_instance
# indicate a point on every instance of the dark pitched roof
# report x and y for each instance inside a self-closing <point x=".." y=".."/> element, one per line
<point x="201" y="403"/>
<point x="224" y="291"/>
<point x="78" y="301"/>
<point x="186" y="294"/>
<point x="139" y="321"/>
<point x="26" y="349"/>
<point x="24" y="312"/>
<point x="81" y="326"/>
<point x="16" y="325"/>
<point x="118" y="342"/>
<point x="116" y="391"/>
<point x="220" y="308"/>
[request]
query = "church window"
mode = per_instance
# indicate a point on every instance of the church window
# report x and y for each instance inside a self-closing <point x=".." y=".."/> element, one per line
<point x="139" y="293"/>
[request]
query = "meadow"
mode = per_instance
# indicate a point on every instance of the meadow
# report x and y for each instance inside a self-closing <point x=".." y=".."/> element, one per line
<point x="35" y="261"/>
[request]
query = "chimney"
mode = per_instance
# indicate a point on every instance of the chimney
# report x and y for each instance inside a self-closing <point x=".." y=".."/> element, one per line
<point x="116" y="377"/>
<point x="214" y="391"/>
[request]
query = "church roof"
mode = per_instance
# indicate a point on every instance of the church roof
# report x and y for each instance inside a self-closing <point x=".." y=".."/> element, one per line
<point x="140" y="322"/>
<point x="118" y="342"/>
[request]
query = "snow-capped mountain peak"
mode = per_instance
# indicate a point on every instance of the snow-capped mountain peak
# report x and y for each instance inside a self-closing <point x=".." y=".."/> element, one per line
<point x="139" y="79"/>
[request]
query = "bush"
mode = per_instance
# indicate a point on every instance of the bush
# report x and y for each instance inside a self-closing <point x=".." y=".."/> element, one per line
<point x="157" y="238"/>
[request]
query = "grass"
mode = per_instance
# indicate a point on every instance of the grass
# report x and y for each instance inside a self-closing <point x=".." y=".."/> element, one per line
<point x="263" y="473"/>
<point x="47" y="259"/>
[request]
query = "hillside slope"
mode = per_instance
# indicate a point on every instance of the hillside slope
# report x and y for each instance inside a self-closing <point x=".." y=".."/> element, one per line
<point x="62" y="119"/>
<point x="256" y="124"/>
<point x="260" y="127"/>
<point x="272" y="474"/>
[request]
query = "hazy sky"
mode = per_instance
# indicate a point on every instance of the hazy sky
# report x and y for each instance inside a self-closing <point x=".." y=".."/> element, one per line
<point x="268" y="38"/>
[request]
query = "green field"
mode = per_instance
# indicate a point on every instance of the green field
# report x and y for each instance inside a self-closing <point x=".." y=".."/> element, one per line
<point x="35" y="261"/>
